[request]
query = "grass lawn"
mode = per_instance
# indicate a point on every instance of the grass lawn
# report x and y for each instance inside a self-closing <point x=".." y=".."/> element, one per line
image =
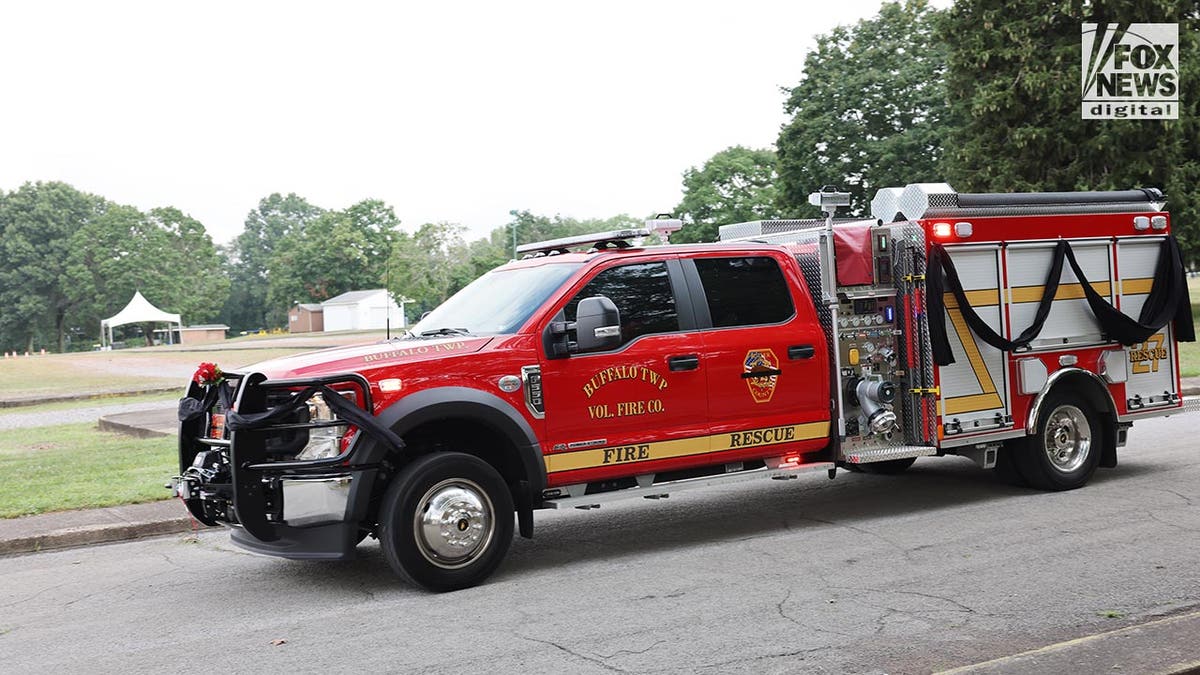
<point x="75" y="466"/>
<point x="1189" y="352"/>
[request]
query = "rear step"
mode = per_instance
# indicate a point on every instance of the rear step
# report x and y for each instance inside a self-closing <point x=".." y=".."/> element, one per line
<point x="663" y="490"/>
<point x="890" y="453"/>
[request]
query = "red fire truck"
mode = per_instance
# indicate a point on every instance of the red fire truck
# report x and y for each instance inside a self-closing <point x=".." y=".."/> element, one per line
<point x="1024" y="331"/>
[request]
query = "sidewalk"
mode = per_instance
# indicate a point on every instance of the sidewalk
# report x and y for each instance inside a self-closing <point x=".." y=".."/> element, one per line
<point x="65" y="529"/>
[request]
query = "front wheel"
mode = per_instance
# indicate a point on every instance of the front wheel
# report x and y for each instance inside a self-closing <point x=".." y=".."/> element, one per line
<point x="1065" y="451"/>
<point x="446" y="521"/>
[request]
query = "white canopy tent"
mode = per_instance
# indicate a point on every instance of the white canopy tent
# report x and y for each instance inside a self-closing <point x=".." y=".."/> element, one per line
<point x="139" y="310"/>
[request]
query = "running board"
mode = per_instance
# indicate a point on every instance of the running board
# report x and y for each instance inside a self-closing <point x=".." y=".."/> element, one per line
<point x="666" y="489"/>
<point x="890" y="453"/>
<point x="1191" y="403"/>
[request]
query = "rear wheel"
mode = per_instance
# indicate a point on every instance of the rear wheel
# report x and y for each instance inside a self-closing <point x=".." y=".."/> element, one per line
<point x="1065" y="451"/>
<point x="446" y="521"/>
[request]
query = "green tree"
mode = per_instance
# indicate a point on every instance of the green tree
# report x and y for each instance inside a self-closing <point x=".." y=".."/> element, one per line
<point x="870" y="110"/>
<point x="36" y="223"/>
<point x="165" y="254"/>
<point x="339" y="251"/>
<point x="249" y="259"/>
<point x="1014" y="86"/>
<point x="734" y="186"/>
<point x="426" y="266"/>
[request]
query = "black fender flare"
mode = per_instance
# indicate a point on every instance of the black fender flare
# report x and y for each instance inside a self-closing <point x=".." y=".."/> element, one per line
<point x="464" y="402"/>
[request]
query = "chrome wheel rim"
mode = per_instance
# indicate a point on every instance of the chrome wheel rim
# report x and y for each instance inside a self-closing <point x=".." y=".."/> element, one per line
<point x="453" y="523"/>
<point x="1067" y="438"/>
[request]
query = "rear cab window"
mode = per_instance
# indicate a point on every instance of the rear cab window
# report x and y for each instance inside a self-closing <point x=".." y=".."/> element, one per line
<point x="745" y="290"/>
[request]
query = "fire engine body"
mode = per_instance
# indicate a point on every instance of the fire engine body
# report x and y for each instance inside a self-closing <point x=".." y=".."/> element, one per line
<point x="568" y="379"/>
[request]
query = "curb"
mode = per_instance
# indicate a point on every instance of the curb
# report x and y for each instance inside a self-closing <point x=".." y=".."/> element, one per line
<point x="107" y="424"/>
<point x="22" y="402"/>
<point x="96" y="534"/>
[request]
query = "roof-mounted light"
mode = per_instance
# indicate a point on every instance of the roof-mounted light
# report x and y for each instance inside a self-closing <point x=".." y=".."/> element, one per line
<point x="664" y="225"/>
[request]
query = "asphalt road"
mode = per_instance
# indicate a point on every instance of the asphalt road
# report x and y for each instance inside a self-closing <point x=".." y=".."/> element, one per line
<point x="941" y="567"/>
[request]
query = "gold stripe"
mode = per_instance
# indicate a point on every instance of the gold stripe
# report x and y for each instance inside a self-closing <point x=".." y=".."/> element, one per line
<point x="981" y="298"/>
<point x="1140" y="286"/>
<point x="973" y="356"/>
<point x="973" y="403"/>
<point x="682" y="447"/>
<point x="1065" y="292"/>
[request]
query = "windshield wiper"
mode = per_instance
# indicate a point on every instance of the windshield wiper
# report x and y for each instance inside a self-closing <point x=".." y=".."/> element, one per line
<point x="444" y="331"/>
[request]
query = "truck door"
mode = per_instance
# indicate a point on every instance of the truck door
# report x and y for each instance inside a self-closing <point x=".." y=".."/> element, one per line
<point x="765" y="355"/>
<point x="640" y="406"/>
<point x="1151" y="363"/>
<point x="974" y="389"/>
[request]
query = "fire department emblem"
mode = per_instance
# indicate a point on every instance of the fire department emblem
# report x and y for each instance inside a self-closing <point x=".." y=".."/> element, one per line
<point x="761" y="373"/>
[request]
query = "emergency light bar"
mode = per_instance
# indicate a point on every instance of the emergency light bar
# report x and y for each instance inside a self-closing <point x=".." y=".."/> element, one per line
<point x="617" y="239"/>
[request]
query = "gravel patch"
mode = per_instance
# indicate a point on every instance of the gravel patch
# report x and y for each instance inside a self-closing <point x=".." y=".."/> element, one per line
<point x="89" y="413"/>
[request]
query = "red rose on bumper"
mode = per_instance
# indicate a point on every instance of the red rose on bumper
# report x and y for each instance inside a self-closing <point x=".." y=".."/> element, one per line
<point x="208" y="374"/>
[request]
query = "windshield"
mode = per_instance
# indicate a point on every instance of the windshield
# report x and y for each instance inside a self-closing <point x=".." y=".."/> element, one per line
<point x="496" y="303"/>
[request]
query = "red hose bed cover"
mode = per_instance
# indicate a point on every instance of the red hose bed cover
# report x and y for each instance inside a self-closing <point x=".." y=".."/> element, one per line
<point x="852" y="250"/>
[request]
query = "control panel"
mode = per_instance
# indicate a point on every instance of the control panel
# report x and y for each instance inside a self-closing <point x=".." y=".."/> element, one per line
<point x="872" y="372"/>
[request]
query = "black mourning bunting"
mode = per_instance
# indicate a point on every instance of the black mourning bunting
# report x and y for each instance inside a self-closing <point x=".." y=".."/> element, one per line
<point x="1168" y="300"/>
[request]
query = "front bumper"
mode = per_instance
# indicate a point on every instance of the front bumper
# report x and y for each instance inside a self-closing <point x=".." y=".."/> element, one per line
<point x="248" y="477"/>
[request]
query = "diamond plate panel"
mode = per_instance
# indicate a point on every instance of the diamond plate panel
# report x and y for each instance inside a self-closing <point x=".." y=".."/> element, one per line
<point x="886" y="204"/>
<point x="919" y="198"/>
<point x="890" y="453"/>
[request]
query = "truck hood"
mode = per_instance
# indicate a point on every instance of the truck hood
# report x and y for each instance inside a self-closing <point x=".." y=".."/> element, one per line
<point x="356" y="358"/>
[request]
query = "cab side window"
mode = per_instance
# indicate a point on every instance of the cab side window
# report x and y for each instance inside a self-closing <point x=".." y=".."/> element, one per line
<point x="642" y="294"/>
<point x="748" y="291"/>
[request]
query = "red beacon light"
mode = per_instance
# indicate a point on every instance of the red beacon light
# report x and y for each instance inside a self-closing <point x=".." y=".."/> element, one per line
<point x="961" y="230"/>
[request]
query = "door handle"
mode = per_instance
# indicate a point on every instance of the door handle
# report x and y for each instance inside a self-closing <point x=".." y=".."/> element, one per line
<point x="685" y="362"/>
<point x="800" y="352"/>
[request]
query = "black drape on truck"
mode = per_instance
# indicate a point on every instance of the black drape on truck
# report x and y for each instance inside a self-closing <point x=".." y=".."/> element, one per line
<point x="1168" y="300"/>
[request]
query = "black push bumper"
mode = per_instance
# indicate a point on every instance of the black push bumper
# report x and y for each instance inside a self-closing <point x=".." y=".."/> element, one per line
<point x="248" y="476"/>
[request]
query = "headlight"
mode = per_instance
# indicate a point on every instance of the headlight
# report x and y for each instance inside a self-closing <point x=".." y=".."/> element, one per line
<point x="322" y="441"/>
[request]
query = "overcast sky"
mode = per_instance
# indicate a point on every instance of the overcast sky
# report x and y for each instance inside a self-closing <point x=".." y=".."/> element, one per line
<point x="455" y="111"/>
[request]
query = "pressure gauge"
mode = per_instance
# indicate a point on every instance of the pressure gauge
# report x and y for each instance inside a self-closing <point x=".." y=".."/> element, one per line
<point x="878" y="318"/>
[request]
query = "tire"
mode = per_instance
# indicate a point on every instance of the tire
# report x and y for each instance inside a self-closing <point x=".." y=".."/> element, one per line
<point x="446" y="521"/>
<point x="889" y="468"/>
<point x="1065" y="450"/>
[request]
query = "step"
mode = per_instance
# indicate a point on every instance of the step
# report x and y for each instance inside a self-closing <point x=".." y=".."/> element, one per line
<point x="665" y="490"/>
<point x="889" y="453"/>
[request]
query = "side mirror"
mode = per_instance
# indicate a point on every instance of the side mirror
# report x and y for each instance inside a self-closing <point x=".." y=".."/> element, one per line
<point x="597" y="324"/>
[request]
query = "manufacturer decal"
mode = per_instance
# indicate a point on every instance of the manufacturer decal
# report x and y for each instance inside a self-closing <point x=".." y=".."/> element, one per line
<point x="760" y="370"/>
<point x="594" y="443"/>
